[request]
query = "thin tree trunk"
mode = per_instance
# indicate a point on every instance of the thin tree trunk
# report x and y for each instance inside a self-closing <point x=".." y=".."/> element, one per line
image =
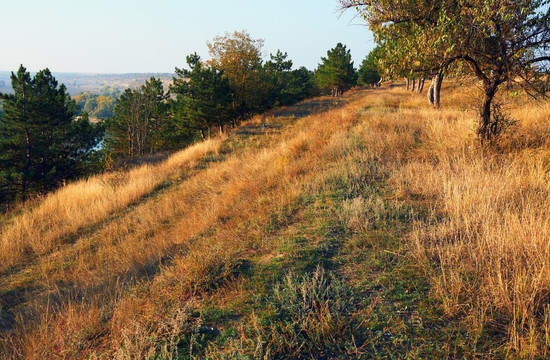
<point x="484" y="131"/>
<point x="220" y="124"/>
<point x="413" y="85"/>
<point x="27" y="162"/>
<point x="431" y="92"/>
<point x="420" y="85"/>
<point x="407" y="84"/>
<point x="437" y="90"/>
<point x="203" y="135"/>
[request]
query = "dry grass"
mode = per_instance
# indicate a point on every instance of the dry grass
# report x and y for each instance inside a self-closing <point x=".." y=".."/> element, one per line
<point x="80" y="205"/>
<point x="487" y="240"/>
<point x="134" y="269"/>
<point x="109" y="280"/>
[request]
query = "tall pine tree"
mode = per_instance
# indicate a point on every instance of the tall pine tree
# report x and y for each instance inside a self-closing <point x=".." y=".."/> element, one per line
<point x="369" y="71"/>
<point x="40" y="143"/>
<point x="140" y="123"/>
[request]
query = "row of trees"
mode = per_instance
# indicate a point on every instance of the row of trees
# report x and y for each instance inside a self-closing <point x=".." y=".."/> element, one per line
<point x="98" y="106"/>
<point x="46" y="138"/>
<point x="208" y="96"/>
<point x="497" y="42"/>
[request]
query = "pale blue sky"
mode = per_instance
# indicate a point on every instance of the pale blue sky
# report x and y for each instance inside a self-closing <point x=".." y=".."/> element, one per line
<point x="121" y="36"/>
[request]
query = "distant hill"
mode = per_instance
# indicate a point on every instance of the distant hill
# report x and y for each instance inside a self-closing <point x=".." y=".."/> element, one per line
<point x="80" y="82"/>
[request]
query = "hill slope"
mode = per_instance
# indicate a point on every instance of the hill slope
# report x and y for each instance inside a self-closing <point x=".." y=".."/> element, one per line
<point x="363" y="227"/>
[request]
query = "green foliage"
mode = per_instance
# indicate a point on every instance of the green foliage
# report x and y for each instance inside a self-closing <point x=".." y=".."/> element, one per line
<point x="313" y="315"/>
<point x="203" y="95"/>
<point x="336" y="73"/>
<point x="41" y="144"/>
<point x="97" y="106"/>
<point x="496" y="41"/>
<point x="240" y="58"/>
<point x="140" y="125"/>
<point x="369" y="72"/>
<point x="286" y="86"/>
<point x="234" y="85"/>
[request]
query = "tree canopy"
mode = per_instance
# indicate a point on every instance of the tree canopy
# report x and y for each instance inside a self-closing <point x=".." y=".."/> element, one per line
<point x="497" y="41"/>
<point x="240" y="58"/>
<point x="369" y="72"/>
<point x="336" y="72"/>
<point x="286" y="86"/>
<point x="137" y="128"/>
<point x="205" y="96"/>
<point x="41" y="143"/>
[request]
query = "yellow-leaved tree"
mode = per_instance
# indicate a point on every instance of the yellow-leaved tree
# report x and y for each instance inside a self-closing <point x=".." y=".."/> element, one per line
<point x="240" y="58"/>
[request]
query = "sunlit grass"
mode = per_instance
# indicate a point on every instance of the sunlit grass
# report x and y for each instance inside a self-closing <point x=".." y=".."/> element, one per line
<point x="121" y="265"/>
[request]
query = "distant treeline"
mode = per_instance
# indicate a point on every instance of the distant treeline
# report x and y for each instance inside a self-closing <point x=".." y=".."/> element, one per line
<point x="99" y="106"/>
<point x="46" y="137"/>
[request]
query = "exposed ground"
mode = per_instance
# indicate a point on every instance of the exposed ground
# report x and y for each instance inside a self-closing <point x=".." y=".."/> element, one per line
<point x="365" y="227"/>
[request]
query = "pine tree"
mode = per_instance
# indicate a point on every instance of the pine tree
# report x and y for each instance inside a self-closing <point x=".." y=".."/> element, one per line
<point x="336" y="72"/>
<point x="369" y="72"/>
<point x="40" y="143"/>
<point x="204" y="96"/>
<point x="140" y="123"/>
<point x="278" y="75"/>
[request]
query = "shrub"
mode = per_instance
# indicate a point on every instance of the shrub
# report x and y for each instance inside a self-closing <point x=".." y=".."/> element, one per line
<point x="312" y="316"/>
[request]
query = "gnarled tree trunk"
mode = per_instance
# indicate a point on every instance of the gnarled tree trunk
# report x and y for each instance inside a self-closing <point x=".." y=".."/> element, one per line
<point x="487" y="128"/>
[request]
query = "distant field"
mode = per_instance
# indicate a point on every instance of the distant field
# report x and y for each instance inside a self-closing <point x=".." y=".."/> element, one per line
<point x="80" y="82"/>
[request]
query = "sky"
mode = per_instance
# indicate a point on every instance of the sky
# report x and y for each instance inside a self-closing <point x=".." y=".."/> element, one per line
<point x="126" y="36"/>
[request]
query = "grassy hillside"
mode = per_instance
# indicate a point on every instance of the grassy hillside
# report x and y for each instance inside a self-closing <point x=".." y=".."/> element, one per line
<point x="365" y="227"/>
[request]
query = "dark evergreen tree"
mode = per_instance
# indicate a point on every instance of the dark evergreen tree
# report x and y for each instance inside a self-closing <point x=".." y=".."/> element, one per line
<point x="203" y="97"/>
<point x="301" y="85"/>
<point x="336" y="73"/>
<point x="369" y="71"/>
<point x="286" y="86"/>
<point x="277" y="76"/>
<point x="40" y="143"/>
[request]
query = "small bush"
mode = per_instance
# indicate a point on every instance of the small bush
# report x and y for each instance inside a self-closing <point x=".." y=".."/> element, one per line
<point x="313" y="316"/>
<point x="206" y="269"/>
<point x="501" y="122"/>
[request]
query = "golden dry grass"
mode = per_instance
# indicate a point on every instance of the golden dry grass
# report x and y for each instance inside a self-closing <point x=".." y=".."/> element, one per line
<point x="70" y="292"/>
<point x="82" y="204"/>
<point x="111" y="281"/>
<point x="488" y="239"/>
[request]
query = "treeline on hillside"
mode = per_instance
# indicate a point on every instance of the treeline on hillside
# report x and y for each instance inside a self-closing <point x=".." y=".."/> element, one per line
<point x="46" y="137"/>
<point x="205" y="98"/>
